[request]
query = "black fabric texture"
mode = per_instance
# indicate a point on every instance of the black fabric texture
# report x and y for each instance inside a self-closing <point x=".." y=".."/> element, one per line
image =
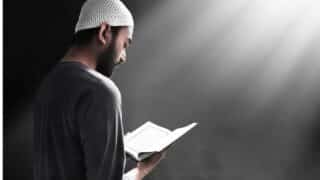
<point x="78" y="131"/>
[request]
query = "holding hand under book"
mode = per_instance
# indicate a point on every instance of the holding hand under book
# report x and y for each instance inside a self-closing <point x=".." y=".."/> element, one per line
<point x="145" y="167"/>
<point x="148" y="145"/>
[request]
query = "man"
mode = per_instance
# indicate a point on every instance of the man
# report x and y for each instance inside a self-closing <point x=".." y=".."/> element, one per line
<point x="78" y="132"/>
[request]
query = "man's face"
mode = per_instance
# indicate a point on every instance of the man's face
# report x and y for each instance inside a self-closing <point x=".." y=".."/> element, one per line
<point x="115" y="54"/>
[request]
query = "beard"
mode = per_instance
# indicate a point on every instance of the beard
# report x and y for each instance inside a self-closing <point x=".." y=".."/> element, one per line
<point x="106" y="60"/>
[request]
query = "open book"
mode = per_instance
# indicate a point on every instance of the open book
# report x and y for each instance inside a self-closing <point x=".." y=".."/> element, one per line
<point x="150" y="138"/>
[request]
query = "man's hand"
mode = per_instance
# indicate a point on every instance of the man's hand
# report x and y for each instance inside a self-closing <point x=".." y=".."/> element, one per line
<point x="146" y="166"/>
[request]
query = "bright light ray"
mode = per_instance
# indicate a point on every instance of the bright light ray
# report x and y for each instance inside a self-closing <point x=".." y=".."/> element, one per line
<point x="186" y="31"/>
<point x="246" y="65"/>
<point x="286" y="59"/>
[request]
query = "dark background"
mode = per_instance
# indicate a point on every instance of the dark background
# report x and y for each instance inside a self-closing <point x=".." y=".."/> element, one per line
<point x="245" y="70"/>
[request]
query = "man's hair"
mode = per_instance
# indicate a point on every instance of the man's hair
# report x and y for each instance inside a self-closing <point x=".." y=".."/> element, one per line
<point x="84" y="37"/>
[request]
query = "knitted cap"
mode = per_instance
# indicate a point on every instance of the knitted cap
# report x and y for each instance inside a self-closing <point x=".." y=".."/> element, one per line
<point x="113" y="12"/>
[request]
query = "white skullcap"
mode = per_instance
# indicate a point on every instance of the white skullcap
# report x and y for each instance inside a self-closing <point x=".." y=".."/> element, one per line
<point x="113" y="12"/>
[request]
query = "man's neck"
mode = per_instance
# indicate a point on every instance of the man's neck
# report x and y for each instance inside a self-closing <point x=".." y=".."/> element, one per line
<point x="82" y="55"/>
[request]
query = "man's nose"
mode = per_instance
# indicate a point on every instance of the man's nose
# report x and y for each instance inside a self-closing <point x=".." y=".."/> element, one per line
<point x="123" y="56"/>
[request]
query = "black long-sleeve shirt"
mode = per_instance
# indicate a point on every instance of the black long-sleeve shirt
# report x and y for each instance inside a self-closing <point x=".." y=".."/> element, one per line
<point x="78" y="132"/>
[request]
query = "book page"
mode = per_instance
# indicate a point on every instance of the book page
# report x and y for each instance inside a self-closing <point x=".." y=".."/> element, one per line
<point x="146" y="137"/>
<point x="174" y="135"/>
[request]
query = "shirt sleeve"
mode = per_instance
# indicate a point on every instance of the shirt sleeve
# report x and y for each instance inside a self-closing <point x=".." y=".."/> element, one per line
<point x="100" y="129"/>
<point x="131" y="175"/>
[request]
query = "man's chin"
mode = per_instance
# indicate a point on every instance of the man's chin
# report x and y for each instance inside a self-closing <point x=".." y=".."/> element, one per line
<point x="106" y="72"/>
<point x="109" y="72"/>
<point x="115" y="68"/>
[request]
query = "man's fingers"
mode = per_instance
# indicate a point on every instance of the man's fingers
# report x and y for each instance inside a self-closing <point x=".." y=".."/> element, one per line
<point x="160" y="155"/>
<point x="154" y="158"/>
<point x="147" y="165"/>
<point x="163" y="154"/>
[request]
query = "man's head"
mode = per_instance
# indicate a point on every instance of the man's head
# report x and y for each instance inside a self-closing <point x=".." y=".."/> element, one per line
<point x="106" y="26"/>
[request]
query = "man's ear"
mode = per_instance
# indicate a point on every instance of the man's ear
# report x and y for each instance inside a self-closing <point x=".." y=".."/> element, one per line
<point x="105" y="34"/>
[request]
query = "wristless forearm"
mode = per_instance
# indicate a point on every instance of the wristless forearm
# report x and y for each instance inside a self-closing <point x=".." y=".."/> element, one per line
<point x="134" y="174"/>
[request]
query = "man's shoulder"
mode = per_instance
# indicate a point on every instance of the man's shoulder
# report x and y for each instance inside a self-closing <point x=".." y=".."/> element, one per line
<point x="75" y="78"/>
<point x="87" y="78"/>
<point x="75" y="71"/>
<point x="103" y="84"/>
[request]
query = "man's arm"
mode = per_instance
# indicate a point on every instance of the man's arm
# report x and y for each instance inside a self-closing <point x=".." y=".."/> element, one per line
<point x="145" y="167"/>
<point x="132" y="175"/>
<point x="100" y="130"/>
